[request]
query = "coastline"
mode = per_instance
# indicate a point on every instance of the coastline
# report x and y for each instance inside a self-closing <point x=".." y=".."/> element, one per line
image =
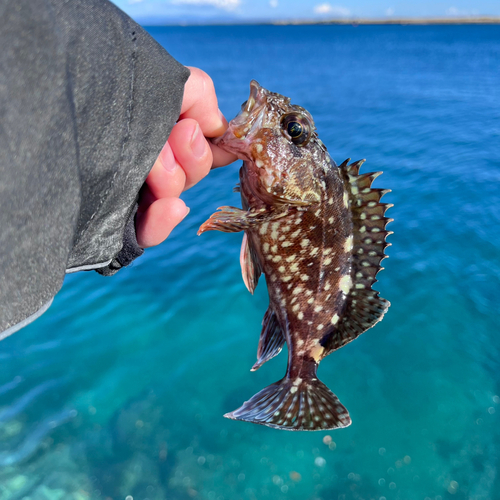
<point x="410" y="21"/>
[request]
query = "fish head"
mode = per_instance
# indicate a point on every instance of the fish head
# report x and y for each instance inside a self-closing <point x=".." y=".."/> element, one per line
<point x="283" y="157"/>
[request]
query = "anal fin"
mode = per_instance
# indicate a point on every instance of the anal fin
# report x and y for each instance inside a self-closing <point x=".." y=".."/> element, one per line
<point x="271" y="339"/>
<point x="294" y="405"/>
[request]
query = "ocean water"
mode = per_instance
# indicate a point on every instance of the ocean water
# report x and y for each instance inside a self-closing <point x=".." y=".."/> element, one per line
<point x="118" y="391"/>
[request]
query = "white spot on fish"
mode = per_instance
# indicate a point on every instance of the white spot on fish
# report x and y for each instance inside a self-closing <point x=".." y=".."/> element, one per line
<point x="259" y="163"/>
<point x="335" y="319"/>
<point x="318" y="309"/>
<point x="274" y="248"/>
<point x="300" y="342"/>
<point x="348" y="244"/>
<point x="274" y="230"/>
<point x="286" y="278"/>
<point x="304" y="243"/>
<point x="327" y="286"/>
<point x="286" y="244"/>
<point x="330" y="220"/>
<point x="346" y="199"/>
<point x="281" y="269"/>
<point x="304" y="277"/>
<point x="297" y="290"/>
<point x="360" y="285"/>
<point x="320" y="327"/>
<point x="300" y="315"/>
<point x="265" y="247"/>
<point x="263" y="228"/>
<point x="291" y="258"/>
<point x="314" y="251"/>
<point x="276" y="258"/>
<point x="293" y="390"/>
<point x="327" y="261"/>
<point x="294" y="267"/>
<point x="259" y="148"/>
<point x="296" y="307"/>
<point x="310" y="301"/>
<point x="345" y="284"/>
<point x="297" y="381"/>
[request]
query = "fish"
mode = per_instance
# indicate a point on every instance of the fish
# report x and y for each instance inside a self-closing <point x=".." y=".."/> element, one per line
<point x="317" y="231"/>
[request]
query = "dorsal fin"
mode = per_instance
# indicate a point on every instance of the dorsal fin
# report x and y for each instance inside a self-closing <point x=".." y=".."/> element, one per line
<point x="364" y="307"/>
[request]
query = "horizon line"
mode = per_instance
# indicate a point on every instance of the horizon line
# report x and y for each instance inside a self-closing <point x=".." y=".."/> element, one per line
<point x="342" y="21"/>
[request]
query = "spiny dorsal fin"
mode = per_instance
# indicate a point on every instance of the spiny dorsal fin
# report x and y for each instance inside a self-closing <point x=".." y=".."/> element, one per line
<point x="271" y="339"/>
<point x="364" y="307"/>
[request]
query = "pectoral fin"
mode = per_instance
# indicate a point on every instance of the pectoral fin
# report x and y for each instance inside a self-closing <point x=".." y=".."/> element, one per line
<point x="228" y="220"/>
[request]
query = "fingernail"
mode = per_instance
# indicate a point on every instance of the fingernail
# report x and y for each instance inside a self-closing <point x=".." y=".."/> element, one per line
<point x="187" y="212"/>
<point x="198" y="143"/>
<point x="168" y="160"/>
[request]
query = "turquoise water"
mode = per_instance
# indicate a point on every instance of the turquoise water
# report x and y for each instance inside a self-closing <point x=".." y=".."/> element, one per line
<point x="118" y="391"/>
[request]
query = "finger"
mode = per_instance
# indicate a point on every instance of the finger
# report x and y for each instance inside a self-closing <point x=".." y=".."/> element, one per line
<point x="191" y="150"/>
<point x="200" y="103"/>
<point x="220" y="157"/>
<point x="167" y="178"/>
<point x="156" y="223"/>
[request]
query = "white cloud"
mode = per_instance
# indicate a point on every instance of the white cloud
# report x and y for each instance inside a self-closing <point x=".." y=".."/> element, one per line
<point x="332" y="10"/>
<point x="453" y="11"/>
<point x="273" y="3"/>
<point x="219" y="4"/>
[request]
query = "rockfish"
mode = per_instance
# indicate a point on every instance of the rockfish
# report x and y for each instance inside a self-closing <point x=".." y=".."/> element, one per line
<point x="317" y="232"/>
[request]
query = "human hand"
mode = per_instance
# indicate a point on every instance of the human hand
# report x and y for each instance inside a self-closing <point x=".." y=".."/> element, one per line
<point x="184" y="160"/>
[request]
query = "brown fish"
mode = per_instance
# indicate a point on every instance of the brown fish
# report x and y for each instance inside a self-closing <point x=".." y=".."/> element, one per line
<point x="317" y="232"/>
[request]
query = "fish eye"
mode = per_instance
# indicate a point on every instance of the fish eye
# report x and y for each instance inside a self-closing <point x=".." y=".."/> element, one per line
<point x="296" y="128"/>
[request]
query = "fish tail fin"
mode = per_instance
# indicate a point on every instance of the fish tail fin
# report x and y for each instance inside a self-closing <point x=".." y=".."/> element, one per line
<point x="294" y="405"/>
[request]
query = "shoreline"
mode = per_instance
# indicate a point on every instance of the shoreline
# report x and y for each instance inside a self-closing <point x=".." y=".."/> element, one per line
<point x="423" y="21"/>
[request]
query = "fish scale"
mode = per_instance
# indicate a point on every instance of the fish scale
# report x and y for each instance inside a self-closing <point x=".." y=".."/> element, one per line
<point x="317" y="232"/>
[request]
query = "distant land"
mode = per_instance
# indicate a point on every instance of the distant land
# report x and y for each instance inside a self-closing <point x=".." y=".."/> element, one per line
<point x="341" y="21"/>
<point x="402" y="21"/>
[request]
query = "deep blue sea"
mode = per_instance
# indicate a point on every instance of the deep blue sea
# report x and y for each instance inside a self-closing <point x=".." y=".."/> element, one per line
<point x="118" y="391"/>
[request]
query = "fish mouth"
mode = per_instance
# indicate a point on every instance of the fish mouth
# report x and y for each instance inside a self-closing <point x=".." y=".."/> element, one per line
<point x="238" y="137"/>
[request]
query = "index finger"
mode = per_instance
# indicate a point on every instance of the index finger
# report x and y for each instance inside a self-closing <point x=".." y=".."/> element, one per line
<point x="200" y="103"/>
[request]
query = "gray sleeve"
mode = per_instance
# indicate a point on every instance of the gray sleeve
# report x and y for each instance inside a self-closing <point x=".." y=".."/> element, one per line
<point x="87" y="101"/>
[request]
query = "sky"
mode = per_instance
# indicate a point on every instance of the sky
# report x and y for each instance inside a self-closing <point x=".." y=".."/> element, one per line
<point x="174" y="11"/>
